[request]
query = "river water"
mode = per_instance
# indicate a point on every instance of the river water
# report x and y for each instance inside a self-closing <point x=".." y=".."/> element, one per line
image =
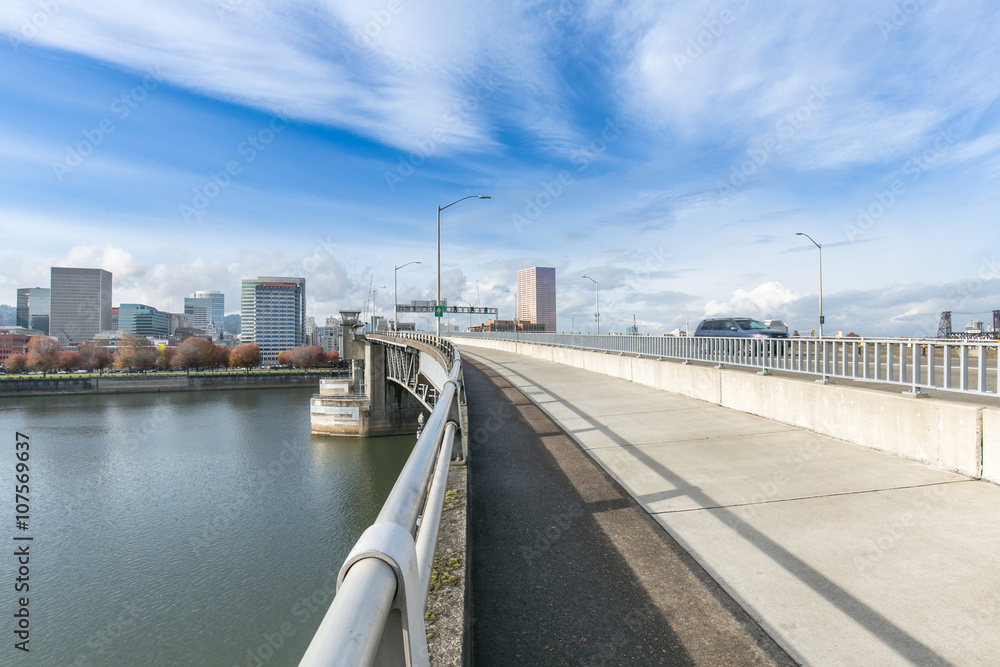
<point x="196" y="528"/>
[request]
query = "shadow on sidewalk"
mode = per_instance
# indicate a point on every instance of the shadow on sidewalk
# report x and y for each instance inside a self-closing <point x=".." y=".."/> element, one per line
<point x="566" y="568"/>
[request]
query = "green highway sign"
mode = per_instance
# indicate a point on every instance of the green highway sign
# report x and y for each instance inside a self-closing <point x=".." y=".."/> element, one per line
<point x="438" y="311"/>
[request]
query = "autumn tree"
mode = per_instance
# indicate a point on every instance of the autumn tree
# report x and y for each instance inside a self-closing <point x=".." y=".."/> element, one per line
<point x="70" y="360"/>
<point x="333" y="357"/>
<point x="136" y="352"/>
<point x="284" y="359"/>
<point x="96" y="356"/>
<point x="307" y="356"/>
<point x="194" y="353"/>
<point x="16" y="363"/>
<point x="245" y="356"/>
<point x="165" y="357"/>
<point x="43" y="353"/>
<point x="220" y="359"/>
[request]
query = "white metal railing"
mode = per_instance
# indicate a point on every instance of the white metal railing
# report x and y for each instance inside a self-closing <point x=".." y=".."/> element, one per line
<point x="377" y="616"/>
<point x="963" y="366"/>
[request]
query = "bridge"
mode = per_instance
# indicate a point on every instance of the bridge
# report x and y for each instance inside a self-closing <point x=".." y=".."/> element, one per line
<point x="792" y="521"/>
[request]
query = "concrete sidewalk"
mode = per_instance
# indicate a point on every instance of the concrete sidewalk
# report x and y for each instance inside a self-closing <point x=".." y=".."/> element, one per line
<point x="844" y="555"/>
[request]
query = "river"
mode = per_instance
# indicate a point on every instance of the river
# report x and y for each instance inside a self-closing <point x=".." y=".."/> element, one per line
<point x="194" y="528"/>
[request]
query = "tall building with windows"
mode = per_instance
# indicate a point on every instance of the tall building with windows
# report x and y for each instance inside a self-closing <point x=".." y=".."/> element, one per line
<point x="80" y="304"/>
<point x="143" y="320"/>
<point x="33" y="308"/>
<point x="203" y="307"/>
<point x="536" y="296"/>
<point x="273" y="313"/>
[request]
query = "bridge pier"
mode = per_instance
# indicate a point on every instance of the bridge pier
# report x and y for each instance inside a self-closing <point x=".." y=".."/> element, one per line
<point x="366" y="404"/>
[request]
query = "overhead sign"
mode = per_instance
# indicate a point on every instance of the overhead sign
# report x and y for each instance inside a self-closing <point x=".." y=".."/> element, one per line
<point x="439" y="311"/>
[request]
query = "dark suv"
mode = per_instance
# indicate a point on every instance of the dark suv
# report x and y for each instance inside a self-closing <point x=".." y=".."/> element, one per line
<point x="740" y="327"/>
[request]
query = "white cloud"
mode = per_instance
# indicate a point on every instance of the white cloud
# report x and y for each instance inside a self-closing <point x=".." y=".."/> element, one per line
<point x="768" y="300"/>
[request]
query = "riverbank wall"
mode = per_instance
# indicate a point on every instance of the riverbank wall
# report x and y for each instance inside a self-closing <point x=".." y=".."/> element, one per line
<point x="109" y="384"/>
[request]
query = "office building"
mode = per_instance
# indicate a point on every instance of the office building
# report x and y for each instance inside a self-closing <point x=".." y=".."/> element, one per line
<point x="13" y="340"/>
<point x="143" y="320"/>
<point x="80" y="304"/>
<point x="273" y="313"/>
<point x="33" y="308"/>
<point x="536" y="296"/>
<point x="203" y="308"/>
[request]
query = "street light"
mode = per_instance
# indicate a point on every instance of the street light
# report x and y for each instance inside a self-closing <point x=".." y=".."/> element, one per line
<point x="437" y="300"/>
<point x="395" y="295"/>
<point x="514" y="294"/>
<point x="820" y="248"/>
<point x="597" y="315"/>
<point x="374" y="308"/>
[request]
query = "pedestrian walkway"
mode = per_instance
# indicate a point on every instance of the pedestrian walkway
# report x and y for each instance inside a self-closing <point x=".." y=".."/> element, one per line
<point x="843" y="555"/>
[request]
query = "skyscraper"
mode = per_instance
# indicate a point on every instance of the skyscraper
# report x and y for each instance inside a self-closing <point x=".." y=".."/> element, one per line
<point x="536" y="296"/>
<point x="33" y="305"/>
<point x="80" y="304"/>
<point x="273" y="311"/>
<point x="203" y="307"/>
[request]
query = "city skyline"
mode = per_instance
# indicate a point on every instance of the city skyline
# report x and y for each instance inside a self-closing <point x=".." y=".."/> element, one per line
<point x="672" y="153"/>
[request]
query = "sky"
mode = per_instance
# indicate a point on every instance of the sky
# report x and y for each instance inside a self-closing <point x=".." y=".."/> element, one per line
<point x="671" y="151"/>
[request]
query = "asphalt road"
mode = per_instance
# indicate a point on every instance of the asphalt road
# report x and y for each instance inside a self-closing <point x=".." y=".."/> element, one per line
<point x="567" y="569"/>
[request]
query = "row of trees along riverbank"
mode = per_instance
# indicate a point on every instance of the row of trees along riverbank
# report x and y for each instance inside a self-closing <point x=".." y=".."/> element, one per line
<point x="44" y="354"/>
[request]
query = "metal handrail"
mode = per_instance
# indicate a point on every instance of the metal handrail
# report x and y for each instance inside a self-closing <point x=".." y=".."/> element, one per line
<point x="961" y="366"/>
<point x="388" y="570"/>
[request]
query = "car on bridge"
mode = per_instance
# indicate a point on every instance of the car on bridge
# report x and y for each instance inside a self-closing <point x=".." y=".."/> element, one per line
<point x="738" y="327"/>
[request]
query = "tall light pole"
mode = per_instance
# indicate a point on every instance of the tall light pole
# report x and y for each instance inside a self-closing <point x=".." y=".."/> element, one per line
<point x="437" y="300"/>
<point x="820" y="248"/>
<point x="395" y="295"/>
<point x="514" y="294"/>
<point x="597" y="289"/>
<point x="374" y="309"/>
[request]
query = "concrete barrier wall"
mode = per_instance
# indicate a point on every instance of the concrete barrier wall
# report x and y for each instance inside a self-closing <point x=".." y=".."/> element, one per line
<point x="991" y="444"/>
<point x="127" y="385"/>
<point x="947" y="435"/>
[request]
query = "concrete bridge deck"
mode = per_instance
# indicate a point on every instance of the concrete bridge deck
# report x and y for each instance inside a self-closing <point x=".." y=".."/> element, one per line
<point x="841" y="554"/>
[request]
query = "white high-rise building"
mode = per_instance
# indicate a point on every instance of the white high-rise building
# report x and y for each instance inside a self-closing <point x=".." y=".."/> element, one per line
<point x="273" y="313"/>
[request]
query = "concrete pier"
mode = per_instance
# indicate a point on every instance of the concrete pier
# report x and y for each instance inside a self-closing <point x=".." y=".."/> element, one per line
<point x="365" y="404"/>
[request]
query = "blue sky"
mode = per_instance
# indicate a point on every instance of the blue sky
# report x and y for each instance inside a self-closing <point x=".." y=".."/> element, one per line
<point x="670" y="150"/>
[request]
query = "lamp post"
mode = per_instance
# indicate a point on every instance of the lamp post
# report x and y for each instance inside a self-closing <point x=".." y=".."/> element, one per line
<point x="374" y="308"/>
<point x="514" y="294"/>
<point x="437" y="300"/>
<point x="395" y="295"/>
<point x="597" y="290"/>
<point x="820" y="248"/>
